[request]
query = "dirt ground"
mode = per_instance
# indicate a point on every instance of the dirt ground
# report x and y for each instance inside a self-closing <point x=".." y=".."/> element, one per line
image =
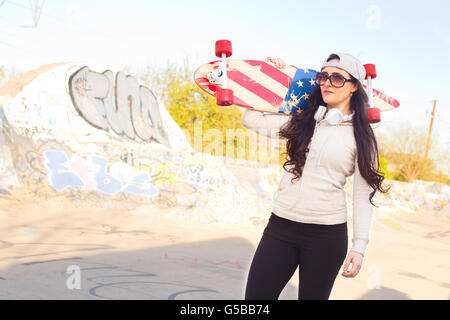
<point x="54" y="250"/>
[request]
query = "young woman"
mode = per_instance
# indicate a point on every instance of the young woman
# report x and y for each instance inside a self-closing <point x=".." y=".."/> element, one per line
<point x="326" y="143"/>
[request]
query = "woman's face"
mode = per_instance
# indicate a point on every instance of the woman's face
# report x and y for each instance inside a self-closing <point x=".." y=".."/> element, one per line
<point x="334" y="96"/>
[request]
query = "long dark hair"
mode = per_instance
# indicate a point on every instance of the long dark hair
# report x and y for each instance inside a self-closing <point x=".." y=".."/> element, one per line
<point x="299" y="130"/>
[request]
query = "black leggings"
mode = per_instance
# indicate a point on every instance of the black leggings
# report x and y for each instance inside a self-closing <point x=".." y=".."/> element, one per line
<point x="319" y="251"/>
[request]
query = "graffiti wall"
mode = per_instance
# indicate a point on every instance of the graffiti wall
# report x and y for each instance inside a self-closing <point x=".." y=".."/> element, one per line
<point x="88" y="137"/>
<point x="77" y="136"/>
<point x="117" y="103"/>
<point x="75" y="104"/>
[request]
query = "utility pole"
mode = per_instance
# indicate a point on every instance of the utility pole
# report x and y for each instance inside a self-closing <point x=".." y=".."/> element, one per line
<point x="429" y="130"/>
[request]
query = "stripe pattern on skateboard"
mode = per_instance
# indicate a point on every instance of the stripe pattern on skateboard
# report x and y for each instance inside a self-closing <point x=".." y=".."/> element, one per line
<point x="255" y="84"/>
<point x="260" y="85"/>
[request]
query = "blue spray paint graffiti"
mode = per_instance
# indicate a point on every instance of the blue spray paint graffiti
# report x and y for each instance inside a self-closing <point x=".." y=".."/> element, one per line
<point x="93" y="174"/>
<point x="59" y="176"/>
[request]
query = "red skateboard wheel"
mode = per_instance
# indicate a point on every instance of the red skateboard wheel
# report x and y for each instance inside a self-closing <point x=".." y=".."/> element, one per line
<point x="370" y="71"/>
<point x="374" y="115"/>
<point x="223" y="46"/>
<point x="224" y="97"/>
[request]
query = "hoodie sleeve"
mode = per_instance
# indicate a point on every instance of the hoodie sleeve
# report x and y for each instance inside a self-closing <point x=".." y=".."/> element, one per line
<point x="266" y="124"/>
<point x="362" y="211"/>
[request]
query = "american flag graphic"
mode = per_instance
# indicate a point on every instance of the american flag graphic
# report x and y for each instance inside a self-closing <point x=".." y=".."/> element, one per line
<point x="261" y="86"/>
<point x="298" y="94"/>
<point x="255" y="84"/>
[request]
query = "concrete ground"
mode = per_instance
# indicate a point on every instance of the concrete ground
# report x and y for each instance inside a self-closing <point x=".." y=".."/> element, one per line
<point x="52" y="251"/>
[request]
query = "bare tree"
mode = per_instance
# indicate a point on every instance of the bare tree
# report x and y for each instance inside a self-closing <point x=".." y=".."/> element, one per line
<point x="36" y="11"/>
<point x="404" y="146"/>
<point x="7" y="74"/>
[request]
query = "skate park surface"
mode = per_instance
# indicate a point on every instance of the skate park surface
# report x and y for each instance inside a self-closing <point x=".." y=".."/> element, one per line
<point x="142" y="254"/>
<point x="86" y="213"/>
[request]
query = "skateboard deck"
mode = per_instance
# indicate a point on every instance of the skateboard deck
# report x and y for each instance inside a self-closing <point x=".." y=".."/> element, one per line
<point x="261" y="86"/>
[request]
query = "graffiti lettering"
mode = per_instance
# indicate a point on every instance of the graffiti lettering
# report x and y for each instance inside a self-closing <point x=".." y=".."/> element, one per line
<point x="128" y="109"/>
<point x="93" y="174"/>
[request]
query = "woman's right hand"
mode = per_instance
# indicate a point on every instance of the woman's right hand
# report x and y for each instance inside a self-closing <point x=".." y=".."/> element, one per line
<point x="279" y="63"/>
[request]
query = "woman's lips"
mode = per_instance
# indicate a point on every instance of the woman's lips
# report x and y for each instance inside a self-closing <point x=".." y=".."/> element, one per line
<point x="327" y="92"/>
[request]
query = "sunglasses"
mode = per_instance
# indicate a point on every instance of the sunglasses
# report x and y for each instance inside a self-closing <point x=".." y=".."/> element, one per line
<point x="337" y="80"/>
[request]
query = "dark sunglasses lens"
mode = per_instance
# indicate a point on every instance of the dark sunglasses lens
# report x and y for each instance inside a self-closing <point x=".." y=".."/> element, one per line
<point x="337" y="80"/>
<point x="321" y="77"/>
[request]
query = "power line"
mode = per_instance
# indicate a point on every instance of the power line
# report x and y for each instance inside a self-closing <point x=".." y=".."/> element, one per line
<point x="41" y="12"/>
<point x="21" y="49"/>
<point x="62" y="21"/>
<point x="59" y="20"/>
<point x="18" y="5"/>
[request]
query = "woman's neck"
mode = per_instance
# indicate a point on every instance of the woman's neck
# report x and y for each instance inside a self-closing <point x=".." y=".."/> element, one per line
<point x="344" y="107"/>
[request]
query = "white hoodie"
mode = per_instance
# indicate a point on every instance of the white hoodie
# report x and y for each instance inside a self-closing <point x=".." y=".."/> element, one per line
<point x="318" y="196"/>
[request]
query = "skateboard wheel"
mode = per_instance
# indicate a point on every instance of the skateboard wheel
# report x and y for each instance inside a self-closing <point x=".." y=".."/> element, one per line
<point x="374" y="115"/>
<point x="223" y="46"/>
<point x="224" y="97"/>
<point x="370" y="71"/>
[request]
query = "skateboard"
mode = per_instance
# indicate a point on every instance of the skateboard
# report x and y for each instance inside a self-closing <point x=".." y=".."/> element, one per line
<point x="259" y="85"/>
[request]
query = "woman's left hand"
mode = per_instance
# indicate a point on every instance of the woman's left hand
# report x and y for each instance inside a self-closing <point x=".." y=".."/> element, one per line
<point x="279" y="63"/>
<point x="355" y="258"/>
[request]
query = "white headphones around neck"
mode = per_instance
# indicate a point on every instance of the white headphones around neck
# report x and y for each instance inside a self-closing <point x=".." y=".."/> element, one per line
<point x="333" y="116"/>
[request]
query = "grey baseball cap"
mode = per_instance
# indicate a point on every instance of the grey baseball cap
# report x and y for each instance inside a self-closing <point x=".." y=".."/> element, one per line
<point x="348" y="63"/>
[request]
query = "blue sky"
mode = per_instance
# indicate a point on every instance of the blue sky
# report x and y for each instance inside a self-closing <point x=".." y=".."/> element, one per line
<point x="408" y="41"/>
